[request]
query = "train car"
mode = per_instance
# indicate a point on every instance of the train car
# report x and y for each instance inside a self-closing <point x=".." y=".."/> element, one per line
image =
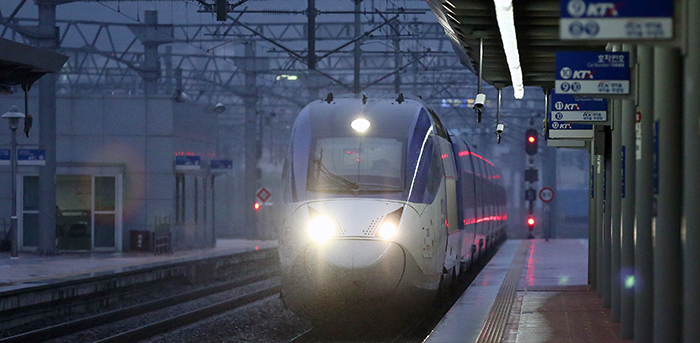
<point x="382" y="209"/>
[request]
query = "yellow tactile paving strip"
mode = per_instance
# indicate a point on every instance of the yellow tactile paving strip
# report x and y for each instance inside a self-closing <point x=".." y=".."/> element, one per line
<point x="495" y="325"/>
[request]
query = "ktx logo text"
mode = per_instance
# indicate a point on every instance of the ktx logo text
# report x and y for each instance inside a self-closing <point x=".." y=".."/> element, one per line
<point x="566" y="73"/>
<point x="577" y="9"/>
<point x="560" y="106"/>
<point x="561" y="126"/>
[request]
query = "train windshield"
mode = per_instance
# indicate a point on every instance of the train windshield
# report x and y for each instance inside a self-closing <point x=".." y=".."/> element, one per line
<point x="342" y="164"/>
<point x="328" y="158"/>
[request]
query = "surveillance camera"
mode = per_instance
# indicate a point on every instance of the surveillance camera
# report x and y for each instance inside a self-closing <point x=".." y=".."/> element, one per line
<point x="219" y="107"/>
<point x="179" y="96"/>
<point x="480" y="101"/>
<point x="499" y="128"/>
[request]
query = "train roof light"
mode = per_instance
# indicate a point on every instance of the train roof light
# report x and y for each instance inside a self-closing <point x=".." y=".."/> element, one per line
<point x="360" y="124"/>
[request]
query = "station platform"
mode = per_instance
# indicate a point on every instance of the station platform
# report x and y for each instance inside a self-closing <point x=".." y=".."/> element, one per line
<point x="31" y="270"/>
<point x="532" y="291"/>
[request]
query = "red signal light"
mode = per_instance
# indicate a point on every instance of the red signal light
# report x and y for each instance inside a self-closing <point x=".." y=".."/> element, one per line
<point x="530" y="223"/>
<point x="531" y="142"/>
<point x="257" y="206"/>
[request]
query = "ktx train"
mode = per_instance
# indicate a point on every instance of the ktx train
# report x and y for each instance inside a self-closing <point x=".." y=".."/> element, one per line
<point x="383" y="208"/>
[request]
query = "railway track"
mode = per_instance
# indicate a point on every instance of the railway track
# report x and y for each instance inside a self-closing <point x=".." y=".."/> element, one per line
<point x="415" y="331"/>
<point x="88" y="323"/>
<point x="119" y="325"/>
<point x="31" y="307"/>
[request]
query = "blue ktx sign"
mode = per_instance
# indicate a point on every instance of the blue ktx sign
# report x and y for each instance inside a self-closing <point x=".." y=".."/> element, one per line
<point x="591" y="72"/>
<point x="560" y="129"/>
<point x="621" y="19"/>
<point x="185" y="162"/>
<point x="566" y="107"/>
<point x="36" y="157"/>
<point x="221" y="164"/>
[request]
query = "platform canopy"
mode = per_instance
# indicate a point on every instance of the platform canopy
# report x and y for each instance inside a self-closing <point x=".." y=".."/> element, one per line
<point x="537" y="32"/>
<point x="24" y="64"/>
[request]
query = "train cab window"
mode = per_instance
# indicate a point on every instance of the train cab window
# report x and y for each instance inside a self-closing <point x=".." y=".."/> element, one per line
<point x="342" y="164"/>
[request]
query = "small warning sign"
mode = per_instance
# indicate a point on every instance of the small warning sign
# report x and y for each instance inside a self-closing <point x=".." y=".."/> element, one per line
<point x="263" y="194"/>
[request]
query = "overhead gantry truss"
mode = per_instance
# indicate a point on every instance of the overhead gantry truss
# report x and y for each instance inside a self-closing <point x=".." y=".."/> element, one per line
<point x="111" y="56"/>
<point x="205" y="60"/>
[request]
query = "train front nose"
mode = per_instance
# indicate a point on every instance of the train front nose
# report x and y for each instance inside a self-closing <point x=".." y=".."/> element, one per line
<point x="347" y="268"/>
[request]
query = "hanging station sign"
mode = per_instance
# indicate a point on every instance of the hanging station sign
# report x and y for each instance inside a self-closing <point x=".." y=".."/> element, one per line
<point x="5" y="157"/>
<point x="560" y="129"/>
<point x="188" y="162"/>
<point x="31" y="157"/>
<point x="571" y="108"/>
<point x="592" y="72"/>
<point x="221" y="164"/>
<point x="621" y="19"/>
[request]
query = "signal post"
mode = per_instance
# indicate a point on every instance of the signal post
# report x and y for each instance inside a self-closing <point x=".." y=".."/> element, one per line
<point x="531" y="176"/>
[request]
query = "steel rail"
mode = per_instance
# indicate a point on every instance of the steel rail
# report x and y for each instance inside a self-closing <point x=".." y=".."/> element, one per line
<point x="64" y="329"/>
<point x="166" y="325"/>
<point x="308" y="336"/>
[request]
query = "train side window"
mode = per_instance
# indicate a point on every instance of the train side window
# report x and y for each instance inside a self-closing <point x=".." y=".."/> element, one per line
<point x="435" y="172"/>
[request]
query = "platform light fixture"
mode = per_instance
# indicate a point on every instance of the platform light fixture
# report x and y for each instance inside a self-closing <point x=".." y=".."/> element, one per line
<point x="14" y="115"/>
<point x="506" y="25"/>
<point x="286" y="77"/>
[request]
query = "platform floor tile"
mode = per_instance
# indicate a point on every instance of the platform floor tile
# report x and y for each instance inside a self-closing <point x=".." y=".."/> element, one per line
<point x="562" y="316"/>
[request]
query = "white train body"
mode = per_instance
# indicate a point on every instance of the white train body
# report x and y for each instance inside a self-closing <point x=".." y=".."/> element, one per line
<point x="382" y="206"/>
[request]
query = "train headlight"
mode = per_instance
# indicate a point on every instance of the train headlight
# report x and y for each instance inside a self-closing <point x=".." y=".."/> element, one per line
<point x="360" y="124"/>
<point x="321" y="228"/>
<point x="389" y="226"/>
<point x="387" y="230"/>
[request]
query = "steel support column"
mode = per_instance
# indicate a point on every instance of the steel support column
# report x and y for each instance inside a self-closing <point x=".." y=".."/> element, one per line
<point x="607" y="244"/>
<point x="615" y="202"/>
<point x="150" y="71"/>
<point x="667" y="222"/>
<point x="592" y="230"/>
<point x="691" y="177"/>
<point x="643" y="249"/>
<point x="599" y="214"/>
<point x="252" y="144"/>
<point x="357" y="52"/>
<point x="312" y="83"/>
<point x="397" y="58"/>
<point x="47" y="136"/>
<point x="628" y="115"/>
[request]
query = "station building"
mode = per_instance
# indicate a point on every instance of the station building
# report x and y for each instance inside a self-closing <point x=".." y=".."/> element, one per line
<point x="116" y="175"/>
